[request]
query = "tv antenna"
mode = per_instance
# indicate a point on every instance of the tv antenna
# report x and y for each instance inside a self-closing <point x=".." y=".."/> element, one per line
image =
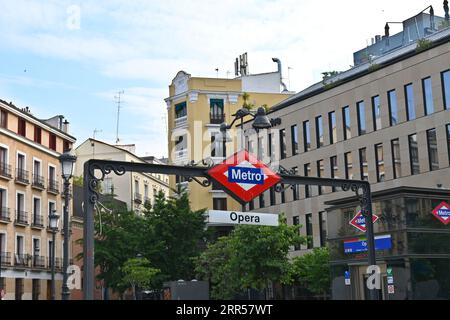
<point x="95" y="132"/>
<point x="119" y="101"/>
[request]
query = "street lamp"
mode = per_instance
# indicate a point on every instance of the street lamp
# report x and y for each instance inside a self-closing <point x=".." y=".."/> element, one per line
<point x="67" y="160"/>
<point x="53" y="219"/>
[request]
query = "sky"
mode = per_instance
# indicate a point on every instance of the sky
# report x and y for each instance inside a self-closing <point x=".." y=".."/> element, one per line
<point x="72" y="57"/>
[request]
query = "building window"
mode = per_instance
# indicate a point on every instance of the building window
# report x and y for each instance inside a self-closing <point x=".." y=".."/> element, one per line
<point x="320" y="174"/>
<point x="319" y="131"/>
<point x="37" y="134"/>
<point x="213" y="144"/>
<point x="445" y="76"/>
<point x="448" y="140"/>
<point x="306" y="136"/>
<point x="262" y="203"/>
<point x="332" y="127"/>
<point x="271" y="147"/>
<point x="432" y="149"/>
<point x="363" y="164"/>
<point x="348" y="165"/>
<point x="220" y="204"/>
<point x="379" y="159"/>
<point x="294" y="138"/>
<point x="180" y="110"/>
<point x="52" y="141"/>
<point x="36" y="289"/>
<point x="295" y="187"/>
<point x="414" y="154"/>
<point x="393" y="110"/>
<point x="427" y="96"/>
<point x="66" y="146"/>
<point x="251" y="205"/>
<point x="22" y="127"/>
<point x="376" y="111"/>
<point x="37" y="218"/>
<point x="410" y="104"/>
<point x="334" y="170"/>
<point x="261" y="153"/>
<point x="19" y="289"/>
<point x="272" y="196"/>
<point x="309" y="230"/>
<point x="346" y="121"/>
<point x="323" y="228"/>
<point x="361" y="111"/>
<point x="216" y="115"/>
<point x="3" y="119"/>
<point x="296" y="222"/>
<point x="307" y="173"/>
<point x="283" y="144"/>
<point x="283" y="194"/>
<point x="396" y="162"/>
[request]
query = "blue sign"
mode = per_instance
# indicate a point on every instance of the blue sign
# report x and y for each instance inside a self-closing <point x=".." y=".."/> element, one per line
<point x="360" y="244"/>
<point x="245" y="175"/>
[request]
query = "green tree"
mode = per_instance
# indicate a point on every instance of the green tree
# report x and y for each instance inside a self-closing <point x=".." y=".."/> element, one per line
<point x="312" y="270"/>
<point x="137" y="272"/>
<point x="247" y="104"/>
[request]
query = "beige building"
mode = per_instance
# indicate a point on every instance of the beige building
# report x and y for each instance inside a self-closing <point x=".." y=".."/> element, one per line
<point x="30" y="189"/>
<point x="134" y="188"/>
<point x="196" y="107"/>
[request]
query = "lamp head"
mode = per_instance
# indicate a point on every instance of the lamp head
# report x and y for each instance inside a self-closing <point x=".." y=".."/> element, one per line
<point x="261" y="120"/>
<point x="67" y="160"/>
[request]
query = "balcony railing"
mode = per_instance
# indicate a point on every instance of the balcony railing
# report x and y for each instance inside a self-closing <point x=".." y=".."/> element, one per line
<point x="21" y="217"/>
<point x="6" y="258"/>
<point x="4" y="214"/>
<point x="216" y="118"/>
<point x="180" y="122"/>
<point x="38" y="221"/>
<point x="38" y="181"/>
<point x="5" y="170"/>
<point x="137" y="198"/>
<point x="58" y="263"/>
<point x="22" y="176"/>
<point x="53" y="186"/>
<point x="21" y="260"/>
<point x="147" y="201"/>
<point x="38" y="262"/>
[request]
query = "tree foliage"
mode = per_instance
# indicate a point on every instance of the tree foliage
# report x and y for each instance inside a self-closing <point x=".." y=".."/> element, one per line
<point x="138" y="272"/>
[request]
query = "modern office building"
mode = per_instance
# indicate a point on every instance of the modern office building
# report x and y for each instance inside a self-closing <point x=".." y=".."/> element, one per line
<point x="30" y="189"/>
<point x="386" y="121"/>
<point x="197" y="106"/>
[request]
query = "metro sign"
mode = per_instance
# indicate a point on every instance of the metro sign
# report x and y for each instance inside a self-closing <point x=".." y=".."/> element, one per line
<point x="442" y="212"/>
<point x="359" y="221"/>
<point x="244" y="175"/>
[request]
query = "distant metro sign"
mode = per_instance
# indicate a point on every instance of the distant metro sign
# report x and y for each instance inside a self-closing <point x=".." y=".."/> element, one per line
<point x="249" y="218"/>
<point x="359" y="221"/>
<point x="244" y="175"/>
<point x="442" y="212"/>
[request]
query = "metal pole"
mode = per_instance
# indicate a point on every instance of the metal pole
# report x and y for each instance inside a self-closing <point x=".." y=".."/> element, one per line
<point x="65" y="289"/>
<point x="367" y="210"/>
<point x="52" y="262"/>
<point x="88" y="243"/>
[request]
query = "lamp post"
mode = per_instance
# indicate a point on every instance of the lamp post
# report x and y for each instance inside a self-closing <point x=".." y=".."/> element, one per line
<point x="53" y="222"/>
<point x="67" y="160"/>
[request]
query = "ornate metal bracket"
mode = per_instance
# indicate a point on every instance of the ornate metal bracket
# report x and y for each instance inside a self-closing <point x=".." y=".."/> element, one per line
<point x="93" y="181"/>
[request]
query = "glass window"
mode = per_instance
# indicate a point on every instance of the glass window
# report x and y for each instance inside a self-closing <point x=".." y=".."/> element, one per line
<point x="216" y="114"/>
<point x="346" y="122"/>
<point x="320" y="173"/>
<point x="379" y="158"/>
<point x="448" y="140"/>
<point x="446" y="88"/>
<point x="262" y="203"/>
<point x="410" y="104"/>
<point x="309" y="230"/>
<point x="332" y="127"/>
<point x="376" y="111"/>
<point x="319" y="131"/>
<point x="295" y="187"/>
<point x="414" y="154"/>
<point x="3" y="118"/>
<point x="306" y="136"/>
<point x="334" y="170"/>
<point x="396" y="161"/>
<point x="180" y="110"/>
<point x="296" y="222"/>
<point x="393" y="110"/>
<point x="307" y="172"/>
<point x="348" y="165"/>
<point x="363" y="164"/>
<point x="219" y="204"/>
<point x="361" y="111"/>
<point x="294" y="138"/>
<point x="427" y="96"/>
<point x="272" y="196"/>
<point x="323" y="228"/>
<point x="283" y="194"/>
<point x="261" y="153"/>
<point x="283" y="144"/>
<point x="432" y="150"/>
<point x="271" y="147"/>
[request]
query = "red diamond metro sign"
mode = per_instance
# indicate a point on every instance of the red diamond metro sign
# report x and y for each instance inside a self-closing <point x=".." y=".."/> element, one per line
<point x="359" y="221"/>
<point x="442" y="212"/>
<point x="244" y="175"/>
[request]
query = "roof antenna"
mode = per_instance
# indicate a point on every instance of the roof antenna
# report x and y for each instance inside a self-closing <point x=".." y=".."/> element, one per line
<point x="118" y="114"/>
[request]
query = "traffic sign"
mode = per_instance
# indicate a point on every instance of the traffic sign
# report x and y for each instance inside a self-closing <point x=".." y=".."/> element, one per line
<point x="391" y="289"/>
<point x="347" y="278"/>
<point x="359" y="221"/>
<point x="217" y="217"/>
<point x="244" y="175"/>
<point x="442" y="212"/>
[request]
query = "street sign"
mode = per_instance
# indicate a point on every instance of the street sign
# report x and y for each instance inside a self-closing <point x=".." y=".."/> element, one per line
<point x="216" y="217"/>
<point x="244" y="175"/>
<point x="391" y="289"/>
<point x="390" y="276"/>
<point x="359" y="221"/>
<point x="347" y="278"/>
<point x="360" y="244"/>
<point x="442" y="212"/>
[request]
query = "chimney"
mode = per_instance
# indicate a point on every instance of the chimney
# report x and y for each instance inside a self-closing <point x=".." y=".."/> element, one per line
<point x="377" y="38"/>
<point x="432" y="25"/>
<point x="386" y="30"/>
<point x="65" y="126"/>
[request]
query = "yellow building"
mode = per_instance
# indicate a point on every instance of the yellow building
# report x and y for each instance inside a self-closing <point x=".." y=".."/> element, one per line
<point x="196" y="108"/>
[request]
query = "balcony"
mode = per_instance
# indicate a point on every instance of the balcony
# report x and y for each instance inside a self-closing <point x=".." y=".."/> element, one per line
<point x="147" y="201"/>
<point x="37" y="222"/>
<point x="38" y="182"/>
<point x="5" y="171"/>
<point x="4" y="215"/>
<point x="21" y="218"/>
<point x="21" y="260"/>
<point x="38" y="262"/>
<point x="181" y="122"/>
<point x="216" y="118"/>
<point x="22" y="176"/>
<point x="6" y="258"/>
<point x="53" y="187"/>
<point x="138" y="198"/>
